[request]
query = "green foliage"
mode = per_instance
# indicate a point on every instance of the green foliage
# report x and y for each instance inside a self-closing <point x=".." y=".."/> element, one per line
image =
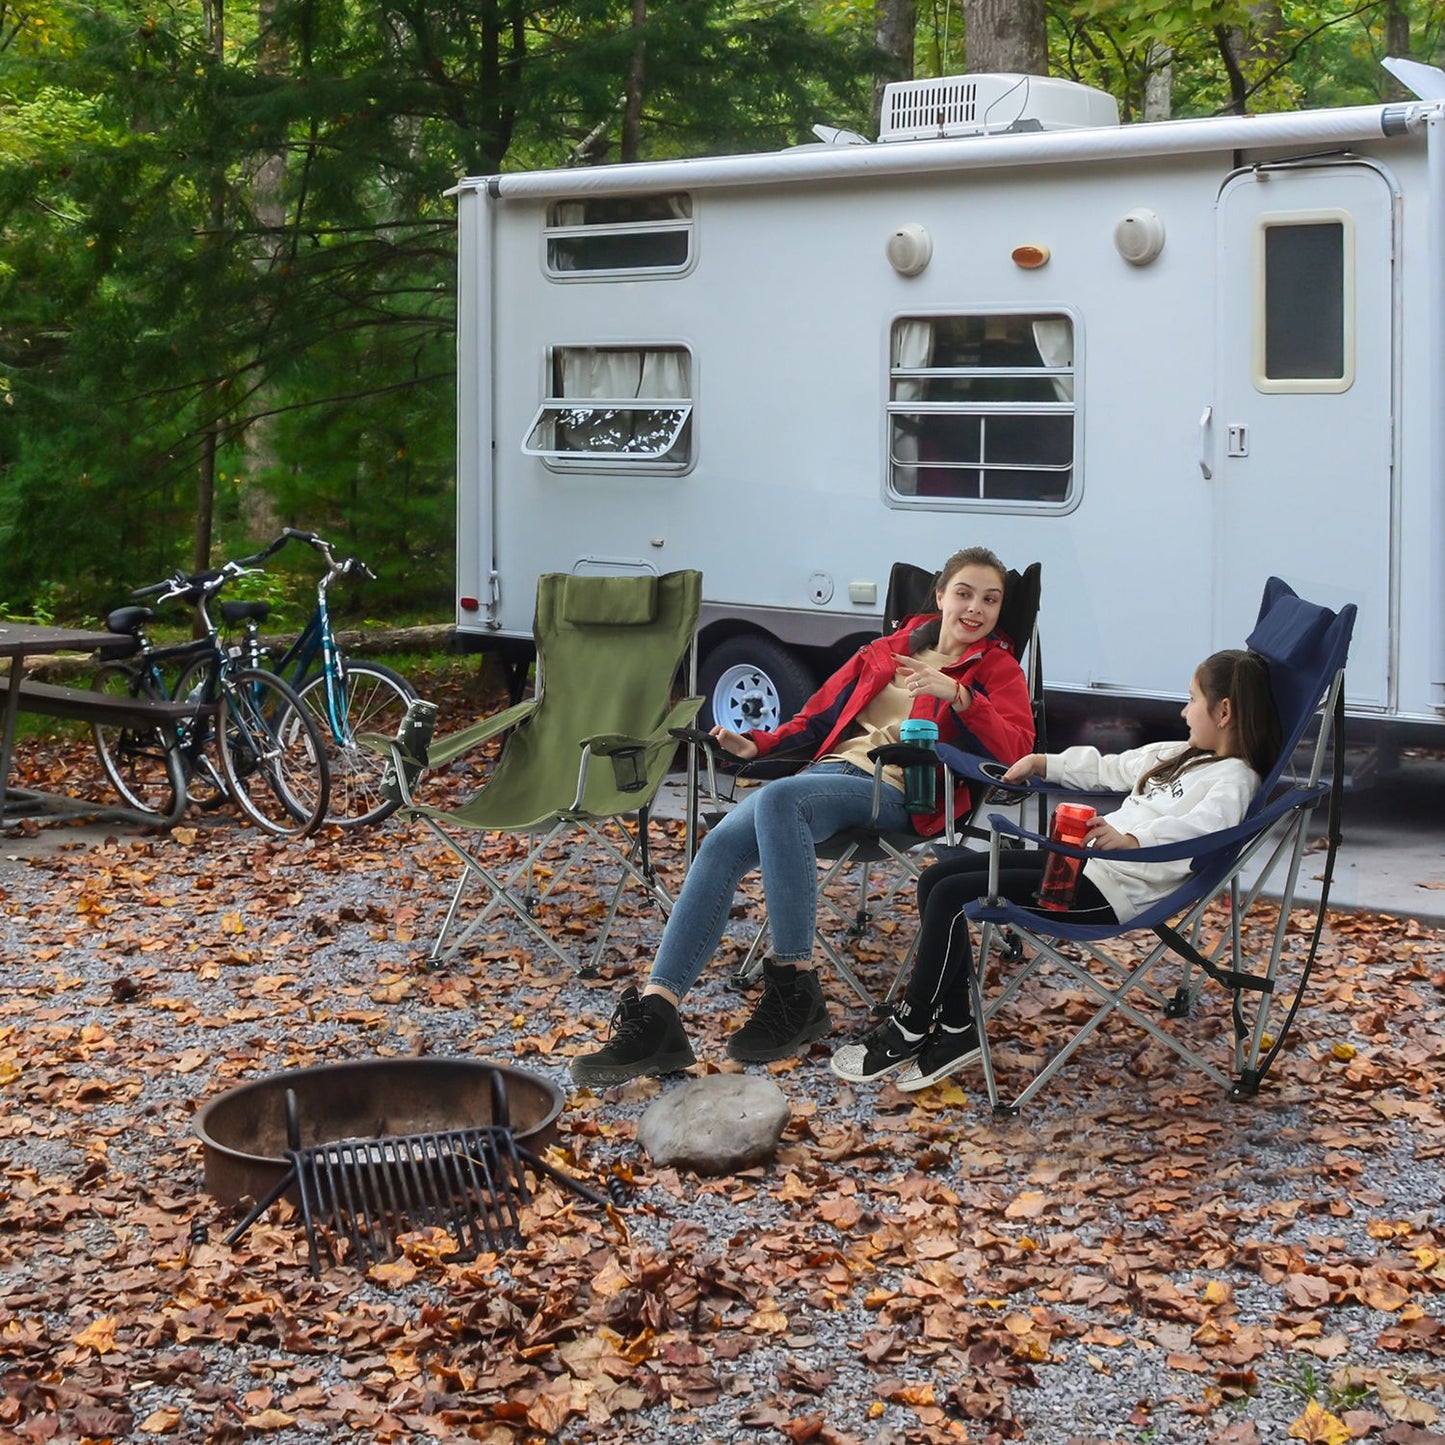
<point x="1288" y="54"/>
<point x="228" y="272"/>
<point x="227" y="265"/>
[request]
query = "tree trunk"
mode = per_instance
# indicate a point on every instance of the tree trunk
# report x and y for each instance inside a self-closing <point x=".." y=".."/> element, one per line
<point x="894" y="23"/>
<point x="276" y="245"/>
<point x="1006" y="35"/>
<point x="1159" y="83"/>
<point x="1397" y="43"/>
<point x="1251" y="56"/>
<point x="1397" y="29"/>
<point x="205" y="492"/>
<point x="215" y="19"/>
<point x="636" y="77"/>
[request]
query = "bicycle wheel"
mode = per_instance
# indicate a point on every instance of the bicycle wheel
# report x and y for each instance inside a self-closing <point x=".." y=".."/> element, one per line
<point x="141" y="763"/>
<point x="205" y="787"/>
<point x="272" y="754"/>
<point x="374" y="700"/>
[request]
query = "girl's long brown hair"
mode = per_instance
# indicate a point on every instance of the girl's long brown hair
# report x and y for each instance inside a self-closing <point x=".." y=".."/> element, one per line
<point x="1243" y="678"/>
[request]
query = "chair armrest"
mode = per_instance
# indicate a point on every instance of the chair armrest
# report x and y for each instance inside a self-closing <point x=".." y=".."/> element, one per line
<point x="1198" y="847"/>
<point x="903" y="755"/>
<point x="697" y="738"/>
<point x="452" y="745"/>
<point x="630" y="755"/>
<point x="670" y="730"/>
<point x="780" y="764"/>
<point x="983" y="770"/>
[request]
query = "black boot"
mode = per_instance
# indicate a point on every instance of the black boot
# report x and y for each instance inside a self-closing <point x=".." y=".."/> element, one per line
<point x="646" y="1038"/>
<point x="790" y="1014"/>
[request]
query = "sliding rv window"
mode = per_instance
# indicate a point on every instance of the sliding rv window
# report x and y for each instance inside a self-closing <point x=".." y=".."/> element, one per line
<point x="615" y="405"/>
<point x="1304" y="309"/>
<point x="619" y="235"/>
<point x="981" y="409"/>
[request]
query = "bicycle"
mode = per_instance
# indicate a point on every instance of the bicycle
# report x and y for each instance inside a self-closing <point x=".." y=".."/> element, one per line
<point x="345" y="697"/>
<point x="272" y="757"/>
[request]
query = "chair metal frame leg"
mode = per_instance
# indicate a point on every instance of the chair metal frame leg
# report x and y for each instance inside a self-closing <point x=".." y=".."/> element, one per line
<point x="1114" y="997"/>
<point x="503" y="892"/>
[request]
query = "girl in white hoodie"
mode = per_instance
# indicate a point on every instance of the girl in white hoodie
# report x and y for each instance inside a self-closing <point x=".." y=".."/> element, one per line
<point x="1175" y="791"/>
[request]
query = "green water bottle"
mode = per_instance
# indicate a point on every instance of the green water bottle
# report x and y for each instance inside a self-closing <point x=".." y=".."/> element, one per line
<point x="920" y="780"/>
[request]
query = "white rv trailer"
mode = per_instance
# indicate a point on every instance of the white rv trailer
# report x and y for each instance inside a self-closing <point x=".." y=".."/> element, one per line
<point x="1166" y="360"/>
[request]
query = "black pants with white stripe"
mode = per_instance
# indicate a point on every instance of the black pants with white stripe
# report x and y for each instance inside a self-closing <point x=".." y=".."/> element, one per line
<point x="944" y="962"/>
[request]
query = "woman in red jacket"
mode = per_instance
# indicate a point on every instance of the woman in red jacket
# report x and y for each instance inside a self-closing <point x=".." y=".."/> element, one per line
<point x="953" y="669"/>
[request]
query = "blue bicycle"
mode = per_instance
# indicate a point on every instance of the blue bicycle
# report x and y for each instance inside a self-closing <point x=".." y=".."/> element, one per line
<point x="344" y="696"/>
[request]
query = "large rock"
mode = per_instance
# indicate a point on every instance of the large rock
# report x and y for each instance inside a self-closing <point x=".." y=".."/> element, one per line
<point x="717" y="1124"/>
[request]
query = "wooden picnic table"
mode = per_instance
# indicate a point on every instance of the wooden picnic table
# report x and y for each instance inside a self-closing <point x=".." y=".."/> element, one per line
<point x="18" y="641"/>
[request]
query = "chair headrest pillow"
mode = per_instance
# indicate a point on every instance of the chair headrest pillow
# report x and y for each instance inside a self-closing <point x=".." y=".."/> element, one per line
<point x="609" y="601"/>
<point x="1290" y="631"/>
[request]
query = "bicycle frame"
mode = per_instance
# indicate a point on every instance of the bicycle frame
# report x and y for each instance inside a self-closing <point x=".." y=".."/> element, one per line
<point x="298" y="662"/>
<point x="317" y="640"/>
<point x="193" y="735"/>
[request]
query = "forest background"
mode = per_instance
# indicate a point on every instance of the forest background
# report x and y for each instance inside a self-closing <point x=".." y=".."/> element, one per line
<point x="227" y="256"/>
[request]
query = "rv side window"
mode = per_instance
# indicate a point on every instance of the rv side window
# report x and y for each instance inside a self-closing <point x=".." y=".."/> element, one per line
<point x="610" y="234"/>
<point x="611" y="404"/>
<point x="981" y="408"/>
<point x="1304" y="331"/>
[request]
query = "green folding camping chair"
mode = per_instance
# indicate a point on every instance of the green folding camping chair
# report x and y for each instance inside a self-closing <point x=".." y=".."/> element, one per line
<point x="585" y="756"/>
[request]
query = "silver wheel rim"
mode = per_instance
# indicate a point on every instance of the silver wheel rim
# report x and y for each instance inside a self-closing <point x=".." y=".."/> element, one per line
<point x="746" y="697"/>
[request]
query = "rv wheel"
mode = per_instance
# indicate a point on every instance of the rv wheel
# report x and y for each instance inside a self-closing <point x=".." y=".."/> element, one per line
<point x="752" y="682"/>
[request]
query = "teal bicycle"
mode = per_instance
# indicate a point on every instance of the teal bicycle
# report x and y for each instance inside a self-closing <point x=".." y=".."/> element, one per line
<point x="342" y="695"/>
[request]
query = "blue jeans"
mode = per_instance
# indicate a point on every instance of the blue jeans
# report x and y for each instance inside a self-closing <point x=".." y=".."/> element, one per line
<point x="778" y="825"/>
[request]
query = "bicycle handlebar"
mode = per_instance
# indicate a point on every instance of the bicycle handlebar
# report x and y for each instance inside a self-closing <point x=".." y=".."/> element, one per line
<point x="256" y="558"/>
<point x="351" y="567"/>
<point x="193" y="587"/>
<point x="156" y="588"/>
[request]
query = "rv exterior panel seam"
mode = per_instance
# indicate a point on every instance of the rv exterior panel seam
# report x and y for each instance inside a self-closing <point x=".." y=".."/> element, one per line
<point x="967" y="153"/>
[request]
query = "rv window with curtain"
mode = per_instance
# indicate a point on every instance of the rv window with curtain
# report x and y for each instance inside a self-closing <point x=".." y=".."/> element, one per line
<point x="612" y="405"/>
<point x="607" y="235"/>
<point x="1304" y="312"/>
<point x="982" y="409"/>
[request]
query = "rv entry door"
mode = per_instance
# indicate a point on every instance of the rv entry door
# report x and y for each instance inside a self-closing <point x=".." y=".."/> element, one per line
<point x="1299" y="442"/>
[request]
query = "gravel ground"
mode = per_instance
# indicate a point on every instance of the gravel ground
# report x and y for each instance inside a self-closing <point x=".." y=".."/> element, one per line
<point x="1135" y="1259"/>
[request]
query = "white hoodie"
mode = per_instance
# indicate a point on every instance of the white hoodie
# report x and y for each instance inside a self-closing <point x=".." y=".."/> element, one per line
<point x="1206" y="798"/>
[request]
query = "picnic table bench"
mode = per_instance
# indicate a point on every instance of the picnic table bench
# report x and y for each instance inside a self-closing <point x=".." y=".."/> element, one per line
<point x="80" y="704"/>
<point x="77" y="704"/>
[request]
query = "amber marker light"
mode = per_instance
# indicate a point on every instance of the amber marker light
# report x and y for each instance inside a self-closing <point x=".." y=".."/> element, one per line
<point x="1031" y="257"/>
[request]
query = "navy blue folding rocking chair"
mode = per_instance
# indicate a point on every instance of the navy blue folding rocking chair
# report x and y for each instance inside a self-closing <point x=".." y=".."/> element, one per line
<point x="1305" y="646"/>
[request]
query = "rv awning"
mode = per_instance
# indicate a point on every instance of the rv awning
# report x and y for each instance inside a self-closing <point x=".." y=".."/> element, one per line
<point x="1319" y="128"/>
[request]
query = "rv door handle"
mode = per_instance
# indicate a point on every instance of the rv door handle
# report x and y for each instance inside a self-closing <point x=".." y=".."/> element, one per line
<point x="1204" y="432"/>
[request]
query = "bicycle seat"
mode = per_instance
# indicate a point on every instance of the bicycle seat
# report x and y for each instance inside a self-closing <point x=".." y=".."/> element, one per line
<point x="127" y="619"/>
<point x="234" y="612"/>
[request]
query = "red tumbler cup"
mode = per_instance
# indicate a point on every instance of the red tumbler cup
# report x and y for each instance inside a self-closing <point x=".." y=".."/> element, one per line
<point x="1061" y="873"/>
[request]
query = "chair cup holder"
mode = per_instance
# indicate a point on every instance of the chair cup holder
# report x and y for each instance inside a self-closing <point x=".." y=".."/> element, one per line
<point x="629" y="769"/>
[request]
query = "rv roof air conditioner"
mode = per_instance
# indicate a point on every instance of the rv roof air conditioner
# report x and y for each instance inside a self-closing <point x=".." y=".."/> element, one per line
<point x="962" y="105"/>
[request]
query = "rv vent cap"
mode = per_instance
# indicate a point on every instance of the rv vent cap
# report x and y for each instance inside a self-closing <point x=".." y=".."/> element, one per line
<point x="909" y="249"/>
<point x="960" y="105"/>
<point x="1139" y="236"/>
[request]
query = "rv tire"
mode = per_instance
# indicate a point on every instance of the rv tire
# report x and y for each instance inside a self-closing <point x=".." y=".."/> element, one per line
<point x="750" y="681"/>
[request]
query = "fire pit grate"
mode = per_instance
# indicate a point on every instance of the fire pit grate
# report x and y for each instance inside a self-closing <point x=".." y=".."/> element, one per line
<point x="467" y="1182"/>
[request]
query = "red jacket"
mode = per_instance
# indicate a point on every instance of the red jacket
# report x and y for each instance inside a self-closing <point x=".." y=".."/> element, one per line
<point x="999" y="724"/>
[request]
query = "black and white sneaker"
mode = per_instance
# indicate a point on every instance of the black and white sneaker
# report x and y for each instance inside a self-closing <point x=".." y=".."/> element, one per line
<point x="943" y="1053"/>
<point x="882" y="1050"/>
